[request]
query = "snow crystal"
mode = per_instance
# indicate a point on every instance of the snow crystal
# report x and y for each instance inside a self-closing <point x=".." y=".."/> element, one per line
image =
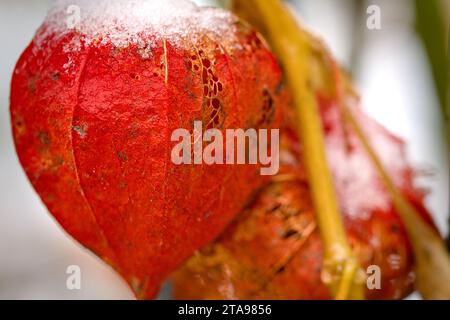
<point x="358" y="185"/>
<point x="125" y="22"/>
<point x="355" y="179"/>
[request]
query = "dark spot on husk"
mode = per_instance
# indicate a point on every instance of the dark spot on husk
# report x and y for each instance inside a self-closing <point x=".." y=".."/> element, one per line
<point x="32" y="84"/>
<point x="44" y="138"/>
<point x="122" y="156"/>
<point x="281" y="269"/>
<point x="289" y="233"/>
<point x="54" y="76"/>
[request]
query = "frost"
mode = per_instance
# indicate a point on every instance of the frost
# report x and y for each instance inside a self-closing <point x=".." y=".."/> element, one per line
<point x="358" y="185"/>
<point x="140" y="22"/>
<point x="68" y="64"/>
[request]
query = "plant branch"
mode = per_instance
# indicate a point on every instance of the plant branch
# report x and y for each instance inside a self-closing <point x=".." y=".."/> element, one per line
<point x="341" y="269"/>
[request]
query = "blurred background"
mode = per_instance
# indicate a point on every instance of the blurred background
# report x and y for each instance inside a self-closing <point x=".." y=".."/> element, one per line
<point x="400" y="70"/>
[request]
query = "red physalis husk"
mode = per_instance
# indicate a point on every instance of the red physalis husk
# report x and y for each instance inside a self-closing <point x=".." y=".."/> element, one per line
<point x="273" y="250"/>
<point x="92" y="118"/>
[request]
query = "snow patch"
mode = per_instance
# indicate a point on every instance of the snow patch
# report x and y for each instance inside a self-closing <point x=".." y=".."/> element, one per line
<point x="141" y="22"/>
<point x="358" y="185"/>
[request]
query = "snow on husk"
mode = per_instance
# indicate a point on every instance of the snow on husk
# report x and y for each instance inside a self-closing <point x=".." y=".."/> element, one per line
<point x="125" y="22"/>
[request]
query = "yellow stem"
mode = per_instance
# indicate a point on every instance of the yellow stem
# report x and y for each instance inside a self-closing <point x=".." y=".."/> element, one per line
<point x="292" y="47"/>
<point x="432" y="260"/>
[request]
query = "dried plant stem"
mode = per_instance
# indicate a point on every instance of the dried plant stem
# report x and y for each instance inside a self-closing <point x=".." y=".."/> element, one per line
<point x="432" y="260"/>
<point x="341" y="270"/>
